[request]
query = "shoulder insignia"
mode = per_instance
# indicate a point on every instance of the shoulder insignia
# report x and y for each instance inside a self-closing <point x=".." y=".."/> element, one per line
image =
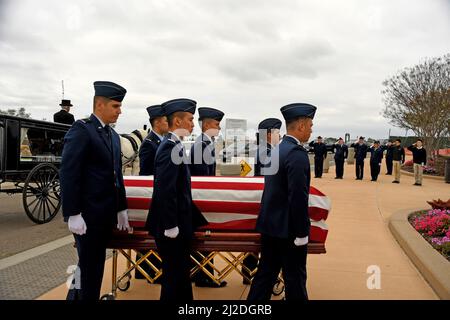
<point x="87" y="120"/>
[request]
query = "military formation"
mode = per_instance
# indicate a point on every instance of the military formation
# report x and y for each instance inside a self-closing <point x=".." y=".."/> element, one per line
<point x="392" y="151"/>
<point x="94" y="200"/>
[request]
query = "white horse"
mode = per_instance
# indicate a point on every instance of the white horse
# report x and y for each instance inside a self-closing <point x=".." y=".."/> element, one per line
<point x="130" y="144"/>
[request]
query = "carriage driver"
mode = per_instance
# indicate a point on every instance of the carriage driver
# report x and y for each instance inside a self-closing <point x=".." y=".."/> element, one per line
<point x="92" y="188"/>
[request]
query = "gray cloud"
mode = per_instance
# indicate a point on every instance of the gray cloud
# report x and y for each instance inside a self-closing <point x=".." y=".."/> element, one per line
<point x="278" y="60"/>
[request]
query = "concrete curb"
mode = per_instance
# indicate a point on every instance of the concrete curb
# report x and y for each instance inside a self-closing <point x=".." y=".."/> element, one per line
<point x="431" y="264"/>
<point x="438" y="178"/>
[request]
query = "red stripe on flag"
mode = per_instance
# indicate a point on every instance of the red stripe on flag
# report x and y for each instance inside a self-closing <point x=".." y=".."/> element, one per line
<point x="317" y="213"/>
<point x="227" y="185"/>
<point x="315" y="192"/>
<point x="139" y="203"/>
<point x="228" y="207"/>
<point x="138" y="183"/>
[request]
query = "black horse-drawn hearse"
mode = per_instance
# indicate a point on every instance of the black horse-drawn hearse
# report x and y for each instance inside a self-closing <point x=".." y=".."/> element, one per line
<point x="30" y="155"/>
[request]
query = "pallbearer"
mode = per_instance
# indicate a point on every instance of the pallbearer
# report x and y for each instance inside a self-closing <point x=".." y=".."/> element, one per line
<point x="173" y="217"/>
<point x="283" y="220"/>
<point x="147" y="153"/>
<point x="267" y="138"/>
<point x="203" y="163"/>
<point x="92" y="189"/>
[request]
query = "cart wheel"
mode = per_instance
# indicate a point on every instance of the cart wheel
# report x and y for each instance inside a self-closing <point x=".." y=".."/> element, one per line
<point x="108" y="296"/>
<point x="278" y="288"/>
<point x="124" y="285"/>
<point x="41" y="199"/>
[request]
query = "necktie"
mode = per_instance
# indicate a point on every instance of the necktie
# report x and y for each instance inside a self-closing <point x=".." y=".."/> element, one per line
<point x="107" y="128"/>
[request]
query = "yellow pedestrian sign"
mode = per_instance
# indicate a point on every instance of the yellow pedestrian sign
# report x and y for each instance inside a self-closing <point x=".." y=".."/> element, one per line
<point x="245" y="168"/>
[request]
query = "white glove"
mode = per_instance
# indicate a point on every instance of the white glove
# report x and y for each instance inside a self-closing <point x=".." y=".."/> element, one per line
<point x="172" y="233"/>
<point x="301" y="241"/>
<point x="122" y="221"/>
<point x="77" y="224"/>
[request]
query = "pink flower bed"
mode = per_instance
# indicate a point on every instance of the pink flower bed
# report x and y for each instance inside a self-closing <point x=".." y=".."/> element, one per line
<point x="434" y="226"/>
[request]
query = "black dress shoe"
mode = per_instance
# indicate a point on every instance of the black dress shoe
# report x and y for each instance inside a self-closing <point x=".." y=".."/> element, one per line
<point x="246" y="282"/>
<point x="395" y="181"/>
<point x="208" y="283"/>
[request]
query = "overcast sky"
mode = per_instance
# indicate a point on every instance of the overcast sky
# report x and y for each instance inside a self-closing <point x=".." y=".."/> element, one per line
<point x="247" y="58"/>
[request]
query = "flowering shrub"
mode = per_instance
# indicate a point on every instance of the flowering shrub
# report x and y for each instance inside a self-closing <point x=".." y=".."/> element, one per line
<point x="429" y="170"/>
<point x="434" y="225"/>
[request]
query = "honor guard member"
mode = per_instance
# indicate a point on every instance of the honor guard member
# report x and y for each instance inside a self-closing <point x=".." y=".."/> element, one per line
<point x="360" y="154"/>
<point x="283" y="220"/>
<point x="203" y="157"/>
<point x="320" y="153"/>
<point x="267" y="137"/>
<point x="173" y="217"/>
<point x="376" y="158"/>
<point x="64" y="115"/>
<point x="92" y="188"/>
<point x="147" y="153"/>
<point x="203" y="163"/>
<point x="340" y="154"/>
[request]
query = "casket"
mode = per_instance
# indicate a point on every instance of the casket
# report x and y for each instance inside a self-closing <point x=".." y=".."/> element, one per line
<point x="228" y="203"/>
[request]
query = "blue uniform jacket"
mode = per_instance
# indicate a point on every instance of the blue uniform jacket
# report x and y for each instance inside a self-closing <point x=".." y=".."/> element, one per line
<point x="207" y="166"/>
<point x="172" y="204"/>
<point x="147" y="153"/>
<point x="360" y="151"/>
<point x="340" y="152"/>
<point x="284" y="204"/>
<point x="91" y="174"/>
<point x="376" y="155"/>
<point x="320" y="149"/>
<point x="263" y="162"/>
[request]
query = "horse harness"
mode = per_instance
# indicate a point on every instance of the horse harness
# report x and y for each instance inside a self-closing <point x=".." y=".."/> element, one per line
<point x="134" y="145"/>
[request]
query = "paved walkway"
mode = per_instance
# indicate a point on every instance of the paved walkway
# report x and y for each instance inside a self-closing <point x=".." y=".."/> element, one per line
<point x="358" y="238"/>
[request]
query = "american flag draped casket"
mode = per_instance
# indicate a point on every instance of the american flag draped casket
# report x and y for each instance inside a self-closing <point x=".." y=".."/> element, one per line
<point x="228" y="203"/>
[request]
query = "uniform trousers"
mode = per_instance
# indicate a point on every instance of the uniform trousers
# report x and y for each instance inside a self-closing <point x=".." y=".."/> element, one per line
<point x="280" y="254"/>
<point x="339" y="167"/>
<point x="318" y="166"/>
<point x="359" y="165"/>
<point x="91" y="249"/>
<point x="175" y="283"/>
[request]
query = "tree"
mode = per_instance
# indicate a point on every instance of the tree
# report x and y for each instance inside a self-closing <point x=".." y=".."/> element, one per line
<point x="418" y="99"/>
<point x="20" y="112"/>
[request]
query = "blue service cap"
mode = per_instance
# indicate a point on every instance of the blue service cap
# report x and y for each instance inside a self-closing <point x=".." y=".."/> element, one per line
<point x="210" y="113"/>
<point x="155" y="111"/>
<point x="176" y="105"/>
<point x="109" y="90"/>
<point x="295" y="110"/>
<point x="269" y="124"/>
